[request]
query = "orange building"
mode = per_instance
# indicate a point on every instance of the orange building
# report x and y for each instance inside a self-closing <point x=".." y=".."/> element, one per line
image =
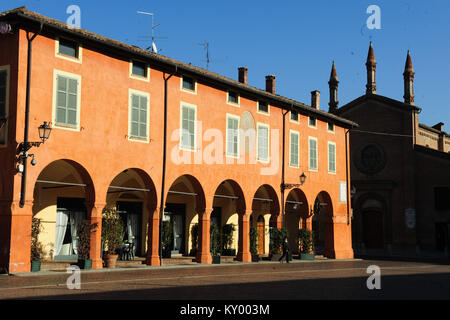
<point x="218" y="157"/>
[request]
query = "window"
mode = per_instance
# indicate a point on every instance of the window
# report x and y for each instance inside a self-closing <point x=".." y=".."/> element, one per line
<point x="188" y="118"/>
<point x="68" y="48"/>
<point x="442" y="198"/>
<point x="263" y="142"/>
<point x="294" y="116"/>
<point x="330" y="127"/>
<point x="67" y="100"/>
<point x="312" y="122"/>
<point x="331" y="157"/>
<point x="139" y="69"/>
<point x="188" y="83"/>
<point x="313" y="154"/>
<point x="232" y="136"/>
<point x="3" y="92"/>
<point x="233" y="97"/>
<point x="3" y="101"/>
<point x="263" y="107"/>
<point x="139" y="113"/>
<point x="294" y="150"/>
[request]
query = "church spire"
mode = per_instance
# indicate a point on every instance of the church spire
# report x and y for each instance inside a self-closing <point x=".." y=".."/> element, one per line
<point x="408" y="78"/>
<point x="371" y="65"/>
<point x="333" y="84"/>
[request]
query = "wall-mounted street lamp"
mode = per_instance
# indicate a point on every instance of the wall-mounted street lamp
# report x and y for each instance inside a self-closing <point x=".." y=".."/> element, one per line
<point x="44" y="133"/>
<point x="302" y="178"/>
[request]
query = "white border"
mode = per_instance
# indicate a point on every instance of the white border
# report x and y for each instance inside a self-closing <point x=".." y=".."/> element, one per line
<point x="187" y="90"/>
<point x="55" y="87"/>
<point x="137" y="77"/>
<point x="69" y="58"/>
<point x="6" y="68"/>
<point x="262" y="112"/>
<point x="192" y="106"/>
<point x="147" y="95"/>
<point x="328" y="152"/>
<point x="236" y="156"/>
<point x="290" y="144"/>
<point x="258" y="124"/>
<point x="310" y="126"/>
<point x="294" y="121"/>
<point x="309" y="154"/>
<point x="238" y="104"/>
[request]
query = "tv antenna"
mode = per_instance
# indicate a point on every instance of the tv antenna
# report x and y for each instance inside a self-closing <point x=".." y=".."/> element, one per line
<point x="208" y="60"/>
<point x="153" y="46"/>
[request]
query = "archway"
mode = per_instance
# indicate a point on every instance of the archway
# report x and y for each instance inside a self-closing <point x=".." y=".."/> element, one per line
<point x="62" y="196"/>
<point x="185" y="202"/>
<point x="265" y="204"/>
<point x="228" y="204"/>
<point x="322" y="225"/>
<point x="133" y="194"/>
<point x="296" y="216"/>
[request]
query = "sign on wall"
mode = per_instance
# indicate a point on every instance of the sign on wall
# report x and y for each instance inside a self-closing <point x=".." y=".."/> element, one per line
<point x="410" y="218"/>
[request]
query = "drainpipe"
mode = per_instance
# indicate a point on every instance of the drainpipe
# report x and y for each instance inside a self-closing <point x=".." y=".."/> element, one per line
<point x="282" y="168"/>
<point x="24" y="155"/>
<point x="347" y="177"/>
<point x="161" y="207"/>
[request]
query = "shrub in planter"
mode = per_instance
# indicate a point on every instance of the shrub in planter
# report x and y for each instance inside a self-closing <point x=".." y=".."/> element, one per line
<point x="37" y="249"/>
<point x="305" y="242"/>
<point x="254" y="244"/>
<point x="112" y="236"/>
<point x="276" y="241"/>
<point x="166" y="239"/>
<point x="227" y="240"/>
<point x="215" y="243"/>
<point x="194" y="240"/>
<point x="84" y="232"/>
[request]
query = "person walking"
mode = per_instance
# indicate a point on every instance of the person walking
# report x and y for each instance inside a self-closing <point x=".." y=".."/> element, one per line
<point x="285" y="251"/>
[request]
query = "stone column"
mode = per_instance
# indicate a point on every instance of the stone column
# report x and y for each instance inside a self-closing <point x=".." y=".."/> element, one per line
<point x="204" y="246"/>
<point x="95" y="215"/>
<point x="153" y="238"/>
<point x="243" y="253"/>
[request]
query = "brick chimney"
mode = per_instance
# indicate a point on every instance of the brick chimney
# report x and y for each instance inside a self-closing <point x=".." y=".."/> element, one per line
<point x="243" y="75"/>
<point x="270" y="83"/>
<point x="315" y="99"/>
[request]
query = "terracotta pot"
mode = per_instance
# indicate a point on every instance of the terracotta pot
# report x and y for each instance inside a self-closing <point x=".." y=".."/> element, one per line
<point x="110" y="260"/>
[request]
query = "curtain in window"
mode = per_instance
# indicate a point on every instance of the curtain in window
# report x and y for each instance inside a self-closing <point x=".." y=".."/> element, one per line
<point x="76" y="218"/>
<point x="61" y="225"/>
<point x="132" y="228"/>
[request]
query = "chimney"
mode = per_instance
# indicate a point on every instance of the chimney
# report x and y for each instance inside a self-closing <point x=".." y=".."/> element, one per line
<point x="270" y="83"/>
<point x="243" y="75"/>
<point x="315" y="99"/>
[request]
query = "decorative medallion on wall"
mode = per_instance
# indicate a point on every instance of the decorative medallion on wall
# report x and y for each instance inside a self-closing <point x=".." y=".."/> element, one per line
<point x="370" y="158"/>
<point x="248" y="123"/>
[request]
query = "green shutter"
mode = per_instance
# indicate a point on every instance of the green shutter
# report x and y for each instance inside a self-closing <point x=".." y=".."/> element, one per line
<point x="66" y="100"/>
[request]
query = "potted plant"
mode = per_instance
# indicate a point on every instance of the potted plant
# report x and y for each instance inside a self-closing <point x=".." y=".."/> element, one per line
<point x="112" y="236"/>
<point x="276" y="240"/>
<point x="305" y="241"/>
<point x="227" y="240"/>
<point x="254" y="244"/>
<point x="37" y="249"/>
<point x="85" y="229"/>
<point x="215" y="243"/>
<point x="194" y="240"/>
<point x="166" y="240"/>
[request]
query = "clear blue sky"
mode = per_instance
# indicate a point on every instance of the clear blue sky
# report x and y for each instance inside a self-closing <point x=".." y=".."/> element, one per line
<point x="296" y="40"/>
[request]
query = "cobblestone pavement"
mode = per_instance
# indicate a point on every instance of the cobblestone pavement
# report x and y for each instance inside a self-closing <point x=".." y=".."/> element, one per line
<point x="300" y="280"/>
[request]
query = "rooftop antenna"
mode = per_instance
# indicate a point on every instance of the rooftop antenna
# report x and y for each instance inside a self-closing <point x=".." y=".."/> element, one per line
<point x="153" y="46"/>
<point x="206" y="45"/>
